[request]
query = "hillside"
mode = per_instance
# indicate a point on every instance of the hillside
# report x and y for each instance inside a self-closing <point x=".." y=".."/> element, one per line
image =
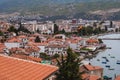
<point x="58" y="7"/>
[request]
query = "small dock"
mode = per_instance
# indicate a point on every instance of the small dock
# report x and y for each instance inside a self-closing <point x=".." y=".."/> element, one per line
<point x="110" y="38"/>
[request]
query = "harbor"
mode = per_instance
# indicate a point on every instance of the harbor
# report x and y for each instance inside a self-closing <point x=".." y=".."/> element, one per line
<point x="108" y="58"/>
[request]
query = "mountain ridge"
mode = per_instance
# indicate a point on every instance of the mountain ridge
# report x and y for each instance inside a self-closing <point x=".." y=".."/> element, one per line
<point x="57" y="7"/>
<point x="39" y="5"/>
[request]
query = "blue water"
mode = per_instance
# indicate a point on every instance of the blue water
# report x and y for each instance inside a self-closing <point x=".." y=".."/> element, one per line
<point x="115" y="51"/>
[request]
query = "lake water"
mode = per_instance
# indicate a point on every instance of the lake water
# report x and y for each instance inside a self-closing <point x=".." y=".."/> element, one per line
<point x="114" y="52"/>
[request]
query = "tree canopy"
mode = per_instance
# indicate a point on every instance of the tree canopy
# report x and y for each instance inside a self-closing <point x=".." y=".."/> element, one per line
<point x="37" y="39"/>
<point x="69" y="67"/>
<point x="56" y="28"/>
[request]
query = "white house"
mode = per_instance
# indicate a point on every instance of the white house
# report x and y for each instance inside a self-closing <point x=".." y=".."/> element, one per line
<point x="13" y="42"/>
<point x="56" y="49"/>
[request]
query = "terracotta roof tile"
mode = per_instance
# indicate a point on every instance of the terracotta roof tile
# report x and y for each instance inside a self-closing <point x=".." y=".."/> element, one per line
<point x="90" y="77"/>
<point x="90" y="67"/>
<point x="94" y="77"/>
<point x="17" y="69"/>
<point x="118" y="77"/>
<point x="41" y="44"/>
<point x="92" y="41"/>
<point x="22" y="36"/>
<point x="85" y="76"/>
<point x="20" y="56"/>
<point x="12" y="40"/>
<point x="35" y="59"/>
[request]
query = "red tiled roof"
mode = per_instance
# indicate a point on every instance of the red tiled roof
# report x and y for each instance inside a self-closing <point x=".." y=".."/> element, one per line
<point x="94" y="77"/>
<point x="17" y="69"/>
<point x="41" y="44"/>
<point x="92" y="41"/>
<point x="85" y="76"/>
<point x="12" y="40"/>
<point x="35" y="59"/>
<point x="90" y="77"/>
<point x="22" y="36"/>
<point x="118" y="77"/>
<point x="90" y="67"/>
<point x="20" y="56"/>
<point x="57" y="46"/>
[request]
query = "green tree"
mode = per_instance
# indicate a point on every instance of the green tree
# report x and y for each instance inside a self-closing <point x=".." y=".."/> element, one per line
<point x="37" y="39"/>
<point x="106" y="29"/>
<point x="1" y="33"/>
<point x="22" y="28"/>
<point x="12" y="29"/>
<point x="63" y="31"/>
<point x="96" y="30"/>
<point x="55" y="56"/>
<point x="38" y="31"/>
<point x="45" y="56"/>
<point x="69" y="67"/>
<point x="82" y="31"/>
<point x="116" y="30"/>
<point x="94" y="24"/>
<point x="111" y="24"/>
<point x="56" y="28"/>
<point x="89" y="30"/>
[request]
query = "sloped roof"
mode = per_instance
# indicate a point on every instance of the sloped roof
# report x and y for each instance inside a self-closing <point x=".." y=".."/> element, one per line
<point x="92" y="40"/>
<point x="118" y="77"/>
<point x="90" y="67"/>
<point x="90" y="77"/>
<point x="94" y="77"/>
<point x="17" y="69"/>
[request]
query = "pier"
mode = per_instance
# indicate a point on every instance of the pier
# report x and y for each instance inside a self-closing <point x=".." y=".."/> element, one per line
<point x="110" y="38"/>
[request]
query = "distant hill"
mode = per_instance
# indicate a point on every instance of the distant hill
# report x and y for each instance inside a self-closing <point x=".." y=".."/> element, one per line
<point x="41" y="5"/>
<point x="57" y="7"/>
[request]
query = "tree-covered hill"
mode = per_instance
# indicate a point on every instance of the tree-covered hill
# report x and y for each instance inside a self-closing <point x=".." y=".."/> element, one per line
<point x="57" y="7"/>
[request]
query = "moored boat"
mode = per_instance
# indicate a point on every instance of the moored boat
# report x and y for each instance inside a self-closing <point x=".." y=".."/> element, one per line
<point x="103" y="62"/>
<point x="107" y="66"/>
<point x="112" y="56"/>
<point x="118" y="62"/>
<point x="107" y="60"/>
<point x="111" y="68"/>
<point x="104" y="57"/>
<point x="98" y="59"/>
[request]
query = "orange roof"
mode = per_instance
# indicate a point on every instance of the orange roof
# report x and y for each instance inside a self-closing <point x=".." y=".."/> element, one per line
<point x="12" y="40"/>
<point x="2" y="45"/>
<point x="31" y="39"/>
<point x="30" y="44"/>
<point x="90" y="77"/>
<point x="85" y="76"/>
<point x="77" y="38"/>
<point x="32" y="49"/>
<point x="90" y="67"/>
<point x="74" y="41"/>
<point x="22" y="36"/>
<point x="94" y="77"/>
<point x="92" y="41"/>
<point x="35" y="59"/>
<point x="20" y="56"/>
<point x="118" y="77"/>
<point x="41" y="44"/>
<point x="17" y="69"/>
<point x="36" y="34"/>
